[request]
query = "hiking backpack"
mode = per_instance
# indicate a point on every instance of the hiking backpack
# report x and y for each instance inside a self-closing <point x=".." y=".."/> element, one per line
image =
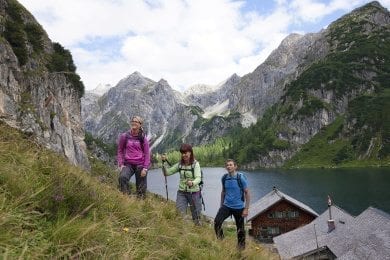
<point x="193" y="177"/>
<point x="193" y="172"/>
<point x="239" y="182"/>
<point x="141" y="137"/>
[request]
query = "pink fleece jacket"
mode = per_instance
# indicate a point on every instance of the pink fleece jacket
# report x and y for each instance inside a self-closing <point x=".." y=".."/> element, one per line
<point x="132" y="152"/>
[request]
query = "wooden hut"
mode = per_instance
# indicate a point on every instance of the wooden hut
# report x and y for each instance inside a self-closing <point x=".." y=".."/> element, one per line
<point x="277" y="213"/>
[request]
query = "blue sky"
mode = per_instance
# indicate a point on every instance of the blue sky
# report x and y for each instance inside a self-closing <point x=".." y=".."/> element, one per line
<point x="186" y="42"/>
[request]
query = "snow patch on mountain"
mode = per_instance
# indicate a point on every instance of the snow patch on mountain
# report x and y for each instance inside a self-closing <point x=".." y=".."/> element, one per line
<point x="248" y="119"/>
<point x="221" y="108"/>
<point x="158" y="140"/>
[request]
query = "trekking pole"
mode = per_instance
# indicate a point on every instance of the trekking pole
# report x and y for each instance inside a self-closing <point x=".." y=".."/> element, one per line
<point x="166" y="186"/>
<point x="201" y="196"/>
<point x="165" y="177"/>
<point x="170" y="164"/>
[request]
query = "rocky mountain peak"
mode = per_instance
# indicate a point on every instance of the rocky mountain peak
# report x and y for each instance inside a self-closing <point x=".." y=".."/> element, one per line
<point x="135" y="80"/>
<point x="162" y="88"/>
<point x="232" y="80"/>
<point x="290" y="40"/>
<point x="372" y="12"/>
<point x="100" y="89"/>
<point x="281" y="56"/>
<point x="374" y="5"/>
<point x="198" y="89"/>
<point x="163" y="82"/>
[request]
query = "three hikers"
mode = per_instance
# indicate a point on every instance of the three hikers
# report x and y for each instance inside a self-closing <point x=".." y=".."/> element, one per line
<point x="134" y="158"/>
<point x="190" y="177"/>
<point x="235" y="199"/>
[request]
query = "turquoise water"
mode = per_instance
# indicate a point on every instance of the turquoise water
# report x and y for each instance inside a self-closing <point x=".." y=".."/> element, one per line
<point x="351" y="189"/>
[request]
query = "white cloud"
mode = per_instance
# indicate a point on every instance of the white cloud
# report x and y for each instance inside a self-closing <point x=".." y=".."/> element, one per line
<point x="308" y="10"/>
<point x="315" y="10"/>
<point x="184" y="42"/>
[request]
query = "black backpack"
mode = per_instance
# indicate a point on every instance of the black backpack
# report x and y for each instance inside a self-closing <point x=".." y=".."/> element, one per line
<point x="239" y="182"/>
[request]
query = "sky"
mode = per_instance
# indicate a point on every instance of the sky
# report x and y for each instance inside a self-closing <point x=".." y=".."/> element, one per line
<point x="185" y="42"/>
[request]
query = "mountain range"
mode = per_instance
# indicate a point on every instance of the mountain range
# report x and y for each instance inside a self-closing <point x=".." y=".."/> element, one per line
<point x="321" y="96"/>
<point x="304" y="85"/>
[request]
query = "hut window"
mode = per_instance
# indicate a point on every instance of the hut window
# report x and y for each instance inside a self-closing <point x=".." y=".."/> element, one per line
<point x="273" y="230"/>
<point x="293" y="214"/>
<point x="280" y="214"/>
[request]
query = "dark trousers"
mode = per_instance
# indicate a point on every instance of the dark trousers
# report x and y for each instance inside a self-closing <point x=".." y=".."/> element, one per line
<point x="225" y="212"/>
<point x="140" y="182"/>
<point x="195" y="202"/>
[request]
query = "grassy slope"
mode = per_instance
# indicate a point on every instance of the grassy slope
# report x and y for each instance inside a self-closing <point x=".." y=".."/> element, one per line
<point x="50" y="209"/>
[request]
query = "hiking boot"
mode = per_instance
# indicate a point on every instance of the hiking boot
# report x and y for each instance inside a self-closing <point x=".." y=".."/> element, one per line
<point x="240" y="247"/>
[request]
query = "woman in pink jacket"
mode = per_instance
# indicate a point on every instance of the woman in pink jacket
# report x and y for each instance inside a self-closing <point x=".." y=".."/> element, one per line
<point x="134" y="158"/>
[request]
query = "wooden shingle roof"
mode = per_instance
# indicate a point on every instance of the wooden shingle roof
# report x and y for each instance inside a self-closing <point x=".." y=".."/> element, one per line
<point x="366" y="236"/>
<point x="272" y="198"/>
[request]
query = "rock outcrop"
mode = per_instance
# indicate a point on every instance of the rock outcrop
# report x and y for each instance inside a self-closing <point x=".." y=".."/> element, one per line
<point x="39" y="101"/>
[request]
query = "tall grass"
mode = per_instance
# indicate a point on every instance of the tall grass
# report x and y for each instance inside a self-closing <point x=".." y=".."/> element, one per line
<point x="50" y="209"/>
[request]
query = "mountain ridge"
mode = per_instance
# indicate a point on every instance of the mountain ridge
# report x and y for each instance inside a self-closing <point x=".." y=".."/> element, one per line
<point x="300" y="76"/>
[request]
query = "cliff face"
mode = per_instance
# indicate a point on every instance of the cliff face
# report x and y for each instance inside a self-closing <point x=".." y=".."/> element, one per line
<point x="349" y="83"/>
<point x="34" y="97"/>
<point x="264" y="87"/>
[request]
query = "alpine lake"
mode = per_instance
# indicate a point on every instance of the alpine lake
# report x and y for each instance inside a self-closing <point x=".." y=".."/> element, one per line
<point x="350" y="189"/>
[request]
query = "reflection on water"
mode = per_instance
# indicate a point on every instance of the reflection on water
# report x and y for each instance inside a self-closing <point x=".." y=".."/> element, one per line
<point x="351" y="189"/>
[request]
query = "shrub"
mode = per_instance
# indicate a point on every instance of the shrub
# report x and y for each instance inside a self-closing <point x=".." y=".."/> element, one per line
<point x="310" y="107"/>
<point x="34" y="36"/>
<point x="61" y="61"/>
<point x="14" y="34"/>
<point x="344" y="154"/>
<point x="14" y="10"/>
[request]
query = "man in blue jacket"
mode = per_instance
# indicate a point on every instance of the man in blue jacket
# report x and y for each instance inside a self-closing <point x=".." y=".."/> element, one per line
<point x="235" y="199"/>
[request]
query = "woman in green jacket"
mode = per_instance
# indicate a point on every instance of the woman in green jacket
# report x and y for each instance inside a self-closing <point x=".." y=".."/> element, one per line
<point x="190" y="177"/>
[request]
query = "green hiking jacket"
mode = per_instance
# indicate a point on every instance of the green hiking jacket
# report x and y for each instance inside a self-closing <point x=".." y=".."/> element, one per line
<point x="185" y="175"/>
